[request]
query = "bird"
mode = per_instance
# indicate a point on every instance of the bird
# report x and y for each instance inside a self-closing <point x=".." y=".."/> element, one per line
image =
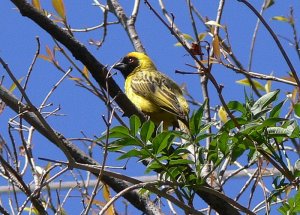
<point x="153" y="92"/>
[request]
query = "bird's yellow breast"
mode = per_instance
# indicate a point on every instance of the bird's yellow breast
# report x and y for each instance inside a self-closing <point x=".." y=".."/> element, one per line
<point x="140" y="102"/>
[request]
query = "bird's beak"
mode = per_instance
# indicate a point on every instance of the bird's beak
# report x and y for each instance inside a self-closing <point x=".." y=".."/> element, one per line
<point x="119" y="66"/>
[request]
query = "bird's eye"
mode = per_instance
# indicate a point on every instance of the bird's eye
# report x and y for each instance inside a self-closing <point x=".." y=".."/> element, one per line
<point x="131" y="60"/>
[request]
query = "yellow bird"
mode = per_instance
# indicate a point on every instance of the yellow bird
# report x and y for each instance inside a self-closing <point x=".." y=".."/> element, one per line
<point x="153" y="92"/>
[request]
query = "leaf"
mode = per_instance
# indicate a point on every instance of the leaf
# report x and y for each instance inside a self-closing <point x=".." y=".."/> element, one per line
<point x="178" y="44"/>
<point x="107" y="197"/>
<point x="123" y="142"/>
<point x="130" y="154"/>
<point x="275" y="112"/>
<point x="279" y="132"/>
<point x="246" y="82"/>
<point x="85" y="72"/>
<point x="31" y="210"/>
<point x="281" y="18"/>
<point x="195" y="122"/>
<point x="147" y="130"/>
<point x="202" y="36"/>
<point x="75" y="79"/>
<point x="44" y="57"/>
<point x="162" y="141"/>
<point x="135" y="124"/>
<point x="237" y="106"/>
<point x="180" y="162"/>
<point x="213" y="23"/>
<point x="222" y="114"/>
<point x="263" y="102"/>
<point x="13" y="86"/>
<point x="269" y="3"/>
<point x="59" y="8"/>
<point x="216" y="47"/>
<point x="188" y="37"/>
<point x="268" y="86"/>
<point x="297" y="109"/>
<point x="36" y="4"/>
<point x="51" y="54"/>
<point x="118" y="132"/>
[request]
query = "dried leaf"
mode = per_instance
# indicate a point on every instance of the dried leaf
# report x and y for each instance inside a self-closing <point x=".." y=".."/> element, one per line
<point x="13" y="86"/>
<point x="268" y="86"/>
<point x="195" y="49"/>
<point x="213" y="23"/>
<point x="75" y="79"/>
<point x="281" y="18"/>
<point x="289" y="78"/>
<point x="36" y="4"/>
<point x="201" y="36"/>
<point x="216" y="47"/>
<point x="85" y="72"/>
<point x="222" y="114"/>
<point x="59" y="8"/>
<point x="258" y="85"/>
<point x="50" y="53"/>
<point x="107" y="197"/>
<point x="31" y="210"/>
<point x="178" y="44"/>
<point x="269" y="3"/>
<point x="44" y="57"/>
<point x="188" y="37"/>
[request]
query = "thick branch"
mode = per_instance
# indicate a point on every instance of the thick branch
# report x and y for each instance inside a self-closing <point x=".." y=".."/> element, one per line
<point x="140" y="202"/>
<point x="80" y="52"/>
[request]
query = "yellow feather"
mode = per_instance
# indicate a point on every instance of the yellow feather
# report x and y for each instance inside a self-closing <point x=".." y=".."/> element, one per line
<point x="151" y="91"/>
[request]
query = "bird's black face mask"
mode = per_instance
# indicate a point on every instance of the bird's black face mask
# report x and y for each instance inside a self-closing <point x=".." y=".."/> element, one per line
<point x="127" y="65"/>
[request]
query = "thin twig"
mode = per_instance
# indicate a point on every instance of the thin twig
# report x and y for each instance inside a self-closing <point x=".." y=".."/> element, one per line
<point x="275" y="38"/>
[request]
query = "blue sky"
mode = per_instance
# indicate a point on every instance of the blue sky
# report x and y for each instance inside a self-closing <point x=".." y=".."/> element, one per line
<point x="83" y="111"/>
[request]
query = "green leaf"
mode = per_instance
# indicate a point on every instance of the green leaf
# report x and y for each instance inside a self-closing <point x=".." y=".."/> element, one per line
<point x="180" y="162"/>
<point x="123" y="142"/>
<point x="162" y="141"/>
<point x="155" y="164"/>
<point x="231" y="125"/>
<point x="195" y="122"/>
<point x="297" y="109"/>
<point x="119" y="132"/>
<point x="237" y="106"/>
<point x="279" y="132"/>
<point x="131" y="153"/>
<point x="275" y="112"/>
<point x="262" y="103"/>
<point x="135" y="124"/>
<point x="147" y="130"/>
<point x="270" y="122"/>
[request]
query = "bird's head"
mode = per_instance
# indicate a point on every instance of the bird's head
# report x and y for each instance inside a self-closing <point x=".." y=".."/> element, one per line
<point x="133" y="62"/>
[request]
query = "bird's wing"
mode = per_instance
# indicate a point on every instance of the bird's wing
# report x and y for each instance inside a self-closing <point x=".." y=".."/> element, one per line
<point x="160" y="90"/>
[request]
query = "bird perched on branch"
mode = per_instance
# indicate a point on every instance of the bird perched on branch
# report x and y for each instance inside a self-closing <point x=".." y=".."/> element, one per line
<point x="153" y="92"/>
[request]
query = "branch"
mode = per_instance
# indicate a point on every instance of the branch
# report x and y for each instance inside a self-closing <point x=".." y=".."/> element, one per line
<point x="140" y="202"/>
<point x="128" y="23"/>
<point x="80" y="52"/>
<point x="285" y="56"/>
